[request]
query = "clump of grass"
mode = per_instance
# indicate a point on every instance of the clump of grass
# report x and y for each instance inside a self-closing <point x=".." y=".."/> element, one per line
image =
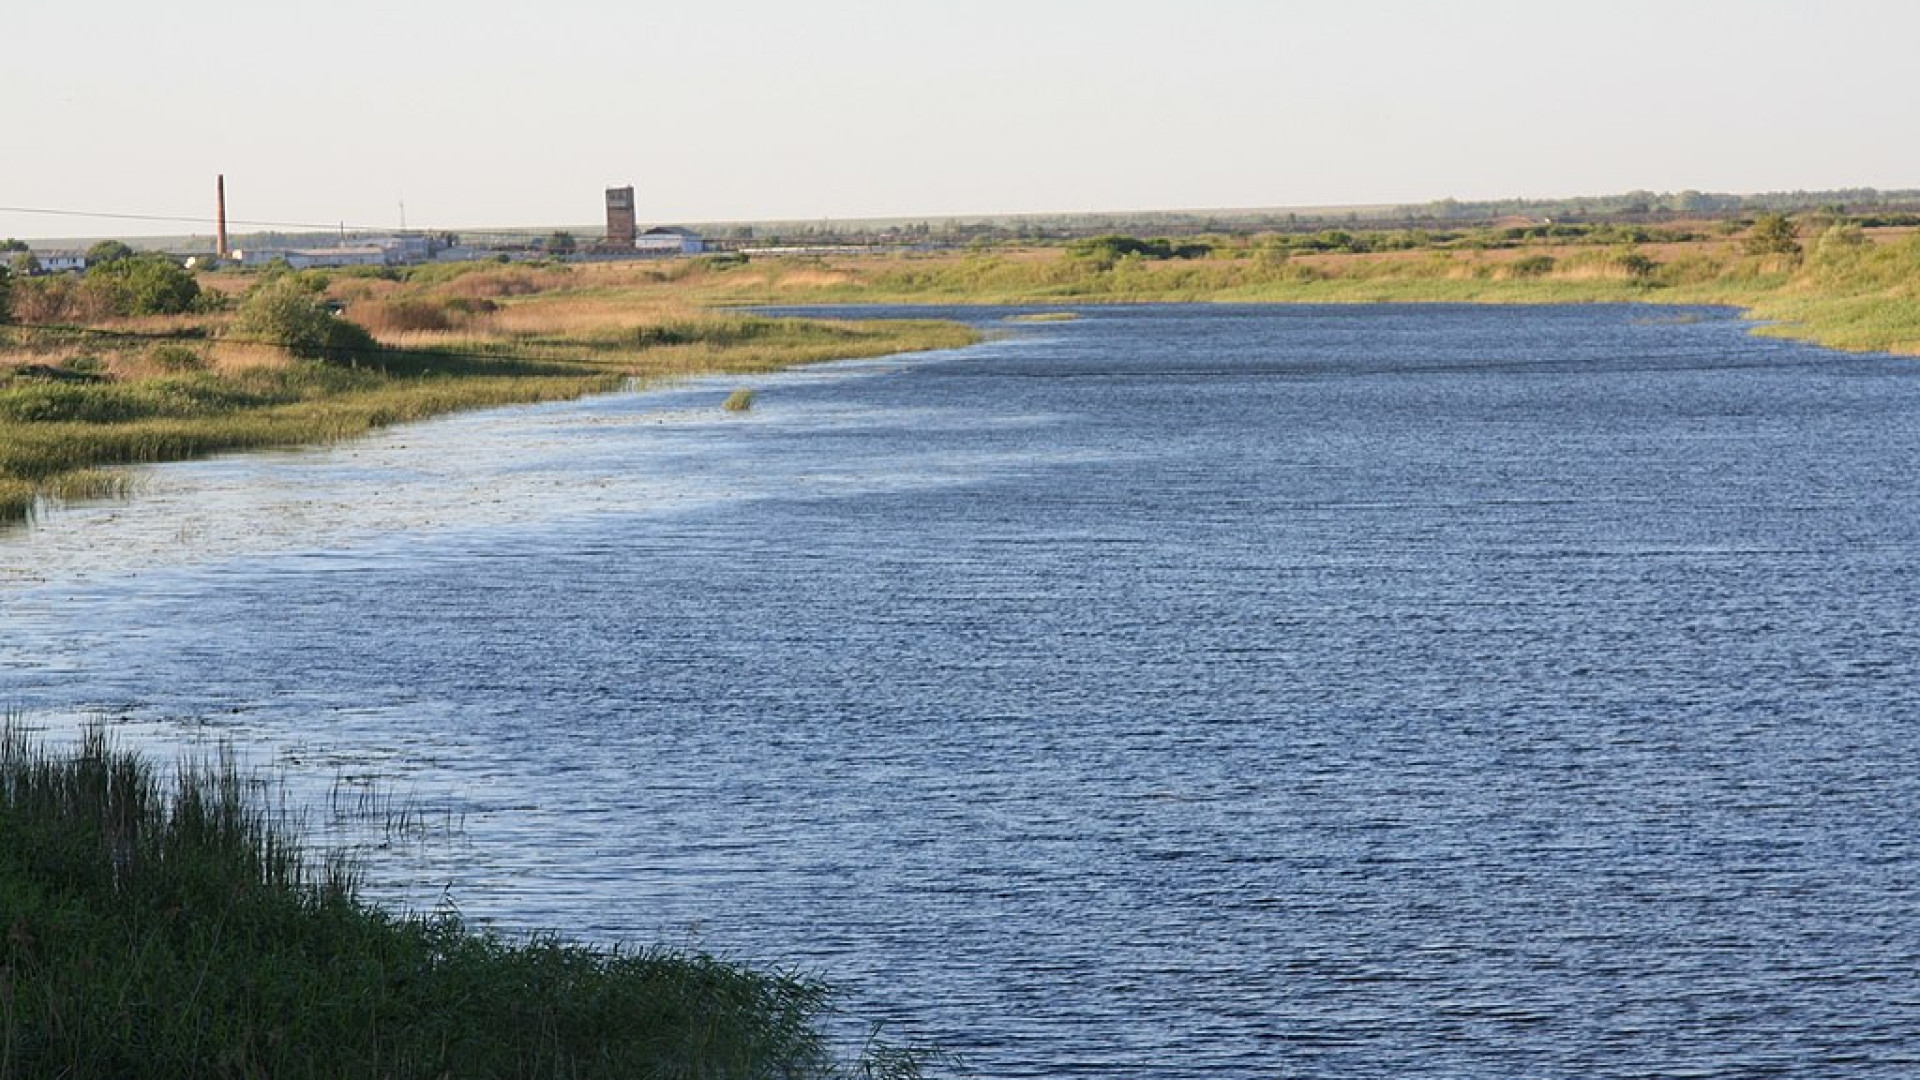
<point x="740" y="400"/>
<point x="89" y="484"/>
<point x="172" y="928"/>
<point x="1043" y="317"/>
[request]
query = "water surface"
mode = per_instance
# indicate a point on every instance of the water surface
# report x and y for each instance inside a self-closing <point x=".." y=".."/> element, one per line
<point x="1176" y="692"/>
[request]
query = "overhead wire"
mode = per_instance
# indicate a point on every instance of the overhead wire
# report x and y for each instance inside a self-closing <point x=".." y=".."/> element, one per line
<point x="189" y="219"/>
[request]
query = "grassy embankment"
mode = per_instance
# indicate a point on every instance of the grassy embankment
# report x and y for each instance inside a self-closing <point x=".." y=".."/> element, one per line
<point x="174" y="929"/>
<point x="1847" y="288"/>
<point x="78" y="401"/>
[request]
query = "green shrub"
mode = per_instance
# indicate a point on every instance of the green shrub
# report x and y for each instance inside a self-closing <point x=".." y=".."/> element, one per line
<point x="283" y="311"/>
<point x="1772" y="234"/>
<point x="1531" y="266"/>
<point x="176" y="358"/>
<point x="144" y="285"/>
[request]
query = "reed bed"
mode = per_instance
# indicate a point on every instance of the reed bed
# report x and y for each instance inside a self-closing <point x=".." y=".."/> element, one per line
<point x="170" y="926"/>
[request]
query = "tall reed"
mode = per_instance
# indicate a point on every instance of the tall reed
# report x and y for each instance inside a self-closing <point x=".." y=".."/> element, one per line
<point x="172" y="928"/>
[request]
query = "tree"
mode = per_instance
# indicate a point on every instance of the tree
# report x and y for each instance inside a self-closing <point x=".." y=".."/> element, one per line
<point x="1772" y="234"/>
<point x="282" y="311"/>
<point x="561" y="243"/>
<point x="6" y="296"/>
<point x="108" y="251"/>
<point x="144" y="285"/>
<point x="24" y="263"/>
<point x="13" y="244"/>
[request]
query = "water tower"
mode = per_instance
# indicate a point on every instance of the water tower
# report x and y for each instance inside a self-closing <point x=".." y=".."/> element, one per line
<point x="620" y="229"/>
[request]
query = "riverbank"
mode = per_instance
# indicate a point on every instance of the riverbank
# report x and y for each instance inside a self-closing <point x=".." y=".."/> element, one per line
<point x="79" y="400"/>
<point x="1832" y="284"/>
<point x="177" y="929"/>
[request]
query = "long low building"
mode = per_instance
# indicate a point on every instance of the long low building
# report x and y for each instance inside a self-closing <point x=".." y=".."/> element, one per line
<point x="309" y="258"/>
<point x="380" y="251"/>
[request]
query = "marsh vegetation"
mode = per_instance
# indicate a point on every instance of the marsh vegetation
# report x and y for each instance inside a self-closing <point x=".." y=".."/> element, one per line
<point x="172" y="926"/>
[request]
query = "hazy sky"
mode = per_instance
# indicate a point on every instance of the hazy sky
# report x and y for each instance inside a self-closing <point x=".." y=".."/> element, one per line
<point x="492" y="113"/>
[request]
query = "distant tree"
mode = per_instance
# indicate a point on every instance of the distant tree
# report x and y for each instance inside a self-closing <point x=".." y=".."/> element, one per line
<point x="1112" y="246"/>
<point x="1772" y="234"/>
<point x="6" y="296"/>
<point x="14" y="245"/>
<point x="24" y="262"/>
<point x="561" y="243"/>
<point x="144" y="285"/>
<point x="108" y="251"/>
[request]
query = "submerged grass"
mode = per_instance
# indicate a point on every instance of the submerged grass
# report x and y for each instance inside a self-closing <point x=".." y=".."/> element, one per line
<point x="107" y="403"/>
<point x="167" y="928"/>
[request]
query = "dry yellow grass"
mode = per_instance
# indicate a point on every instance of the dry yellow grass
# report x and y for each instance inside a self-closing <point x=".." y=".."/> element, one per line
<point x="232" y="357"/>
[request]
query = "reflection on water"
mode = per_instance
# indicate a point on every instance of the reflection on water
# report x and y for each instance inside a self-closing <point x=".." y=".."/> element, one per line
<point x="1171" y="692"/>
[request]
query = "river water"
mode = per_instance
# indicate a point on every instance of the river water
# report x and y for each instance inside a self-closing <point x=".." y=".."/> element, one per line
<point x="1174" y="692"/>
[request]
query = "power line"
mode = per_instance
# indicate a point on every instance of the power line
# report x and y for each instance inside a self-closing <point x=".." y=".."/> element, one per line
<point x="184" y="219"/>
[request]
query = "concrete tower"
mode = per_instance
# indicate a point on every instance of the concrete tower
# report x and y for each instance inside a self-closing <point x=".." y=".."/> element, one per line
<point x="620" y="229"/>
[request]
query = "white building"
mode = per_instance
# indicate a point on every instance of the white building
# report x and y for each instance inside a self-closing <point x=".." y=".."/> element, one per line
<point x="55" y="262"/>
<point x="668" y="240"/>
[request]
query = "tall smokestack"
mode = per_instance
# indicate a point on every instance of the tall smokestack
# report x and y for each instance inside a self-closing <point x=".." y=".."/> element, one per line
<point x="220" y="200"/>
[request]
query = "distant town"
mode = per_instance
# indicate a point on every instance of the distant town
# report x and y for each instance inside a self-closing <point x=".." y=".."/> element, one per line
<point x="622" y="239"/>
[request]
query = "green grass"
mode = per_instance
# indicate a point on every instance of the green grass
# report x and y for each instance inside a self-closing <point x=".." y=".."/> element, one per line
<point x="159" y="928"/>
<point x="740" y="400"/>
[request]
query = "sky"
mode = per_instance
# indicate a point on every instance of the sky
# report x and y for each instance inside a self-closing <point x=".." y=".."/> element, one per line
<point x="487" y="113"/>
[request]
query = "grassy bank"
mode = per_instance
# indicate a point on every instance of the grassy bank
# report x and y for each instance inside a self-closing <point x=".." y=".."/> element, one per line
<point x="171" y="928"/>
<point x="76" y="401"/>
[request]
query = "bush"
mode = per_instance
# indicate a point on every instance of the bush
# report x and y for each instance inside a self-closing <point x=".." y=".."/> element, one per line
<point x="144" y="285"/>
<point x="1772" y="234"/>
<point x="282" y="311"/>
<point x="176" y="358"/>
<point x="60" y="299"/>
<point x="6" y="296"/>
<point x="1531" y="266"/>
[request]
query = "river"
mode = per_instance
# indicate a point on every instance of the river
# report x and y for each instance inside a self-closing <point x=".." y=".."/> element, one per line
<point x="1175" y="692"/>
